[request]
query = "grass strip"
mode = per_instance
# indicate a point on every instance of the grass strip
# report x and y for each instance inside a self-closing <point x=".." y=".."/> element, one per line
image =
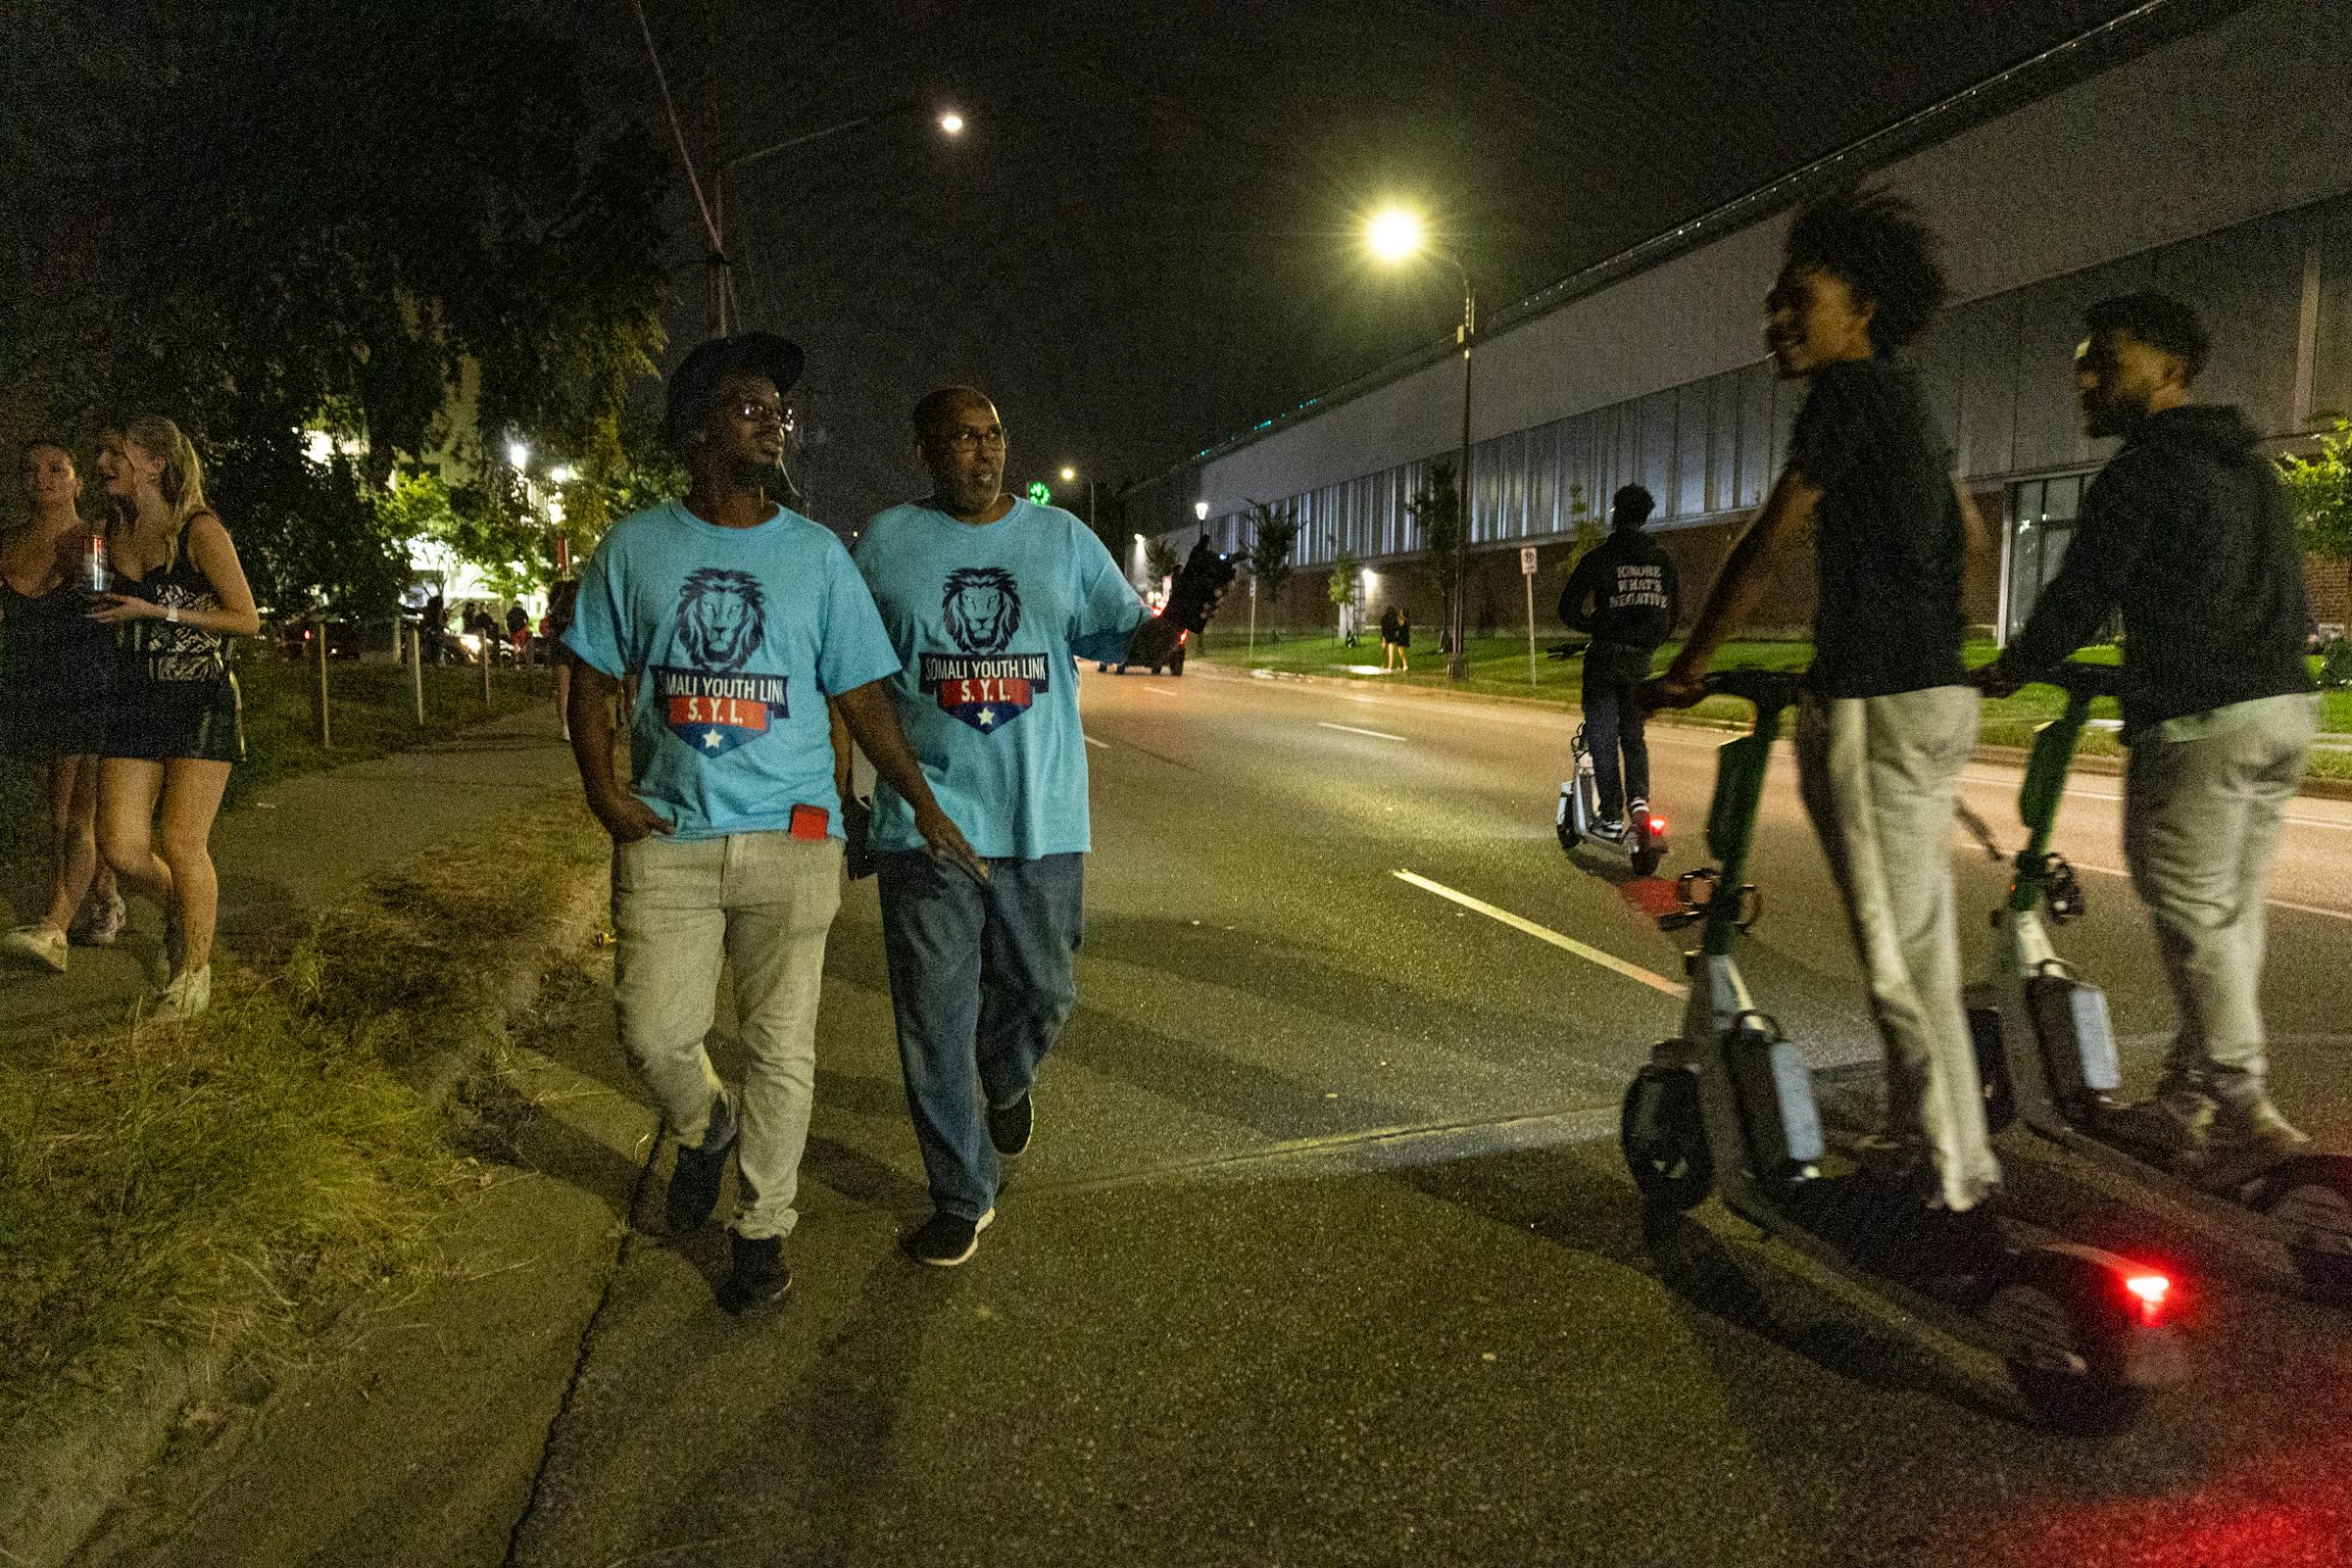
<point x="216" y="1181"/>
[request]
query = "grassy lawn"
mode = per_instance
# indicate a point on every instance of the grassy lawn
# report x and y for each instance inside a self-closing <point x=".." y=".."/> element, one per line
<point x="222" y="1180"/>
<point x="1498" y="666"/>
<point x="373" y="711"/>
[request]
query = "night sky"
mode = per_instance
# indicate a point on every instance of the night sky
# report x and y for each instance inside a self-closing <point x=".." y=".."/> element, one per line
<point x="1148" y="238"/>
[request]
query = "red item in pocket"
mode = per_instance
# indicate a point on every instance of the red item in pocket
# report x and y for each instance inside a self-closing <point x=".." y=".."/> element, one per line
<point x="808" y="821"/>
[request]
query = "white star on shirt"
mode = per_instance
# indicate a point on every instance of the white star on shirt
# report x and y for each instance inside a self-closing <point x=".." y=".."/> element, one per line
<point x="710" y="739"/>
<point x="988" y="716"/>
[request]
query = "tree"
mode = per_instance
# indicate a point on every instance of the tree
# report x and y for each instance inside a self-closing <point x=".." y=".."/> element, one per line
<point x="1347" y="574"/>
<point x="1273" y="530"/>
<point x="1584" y="528"/>
<point x="1159" y="560"/>
<point x="413" y="250"/>
<point x="1436" y="506"/>
<point x="2321" y="491"/>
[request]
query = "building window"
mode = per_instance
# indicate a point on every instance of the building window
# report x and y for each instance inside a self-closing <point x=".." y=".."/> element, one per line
<point x="2041" y="522"/>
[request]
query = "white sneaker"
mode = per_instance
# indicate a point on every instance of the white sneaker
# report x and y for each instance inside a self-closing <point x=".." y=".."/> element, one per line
<point x="189" y="994"/>
<point x="100" y="923"/>
<point x="37" y="944"/>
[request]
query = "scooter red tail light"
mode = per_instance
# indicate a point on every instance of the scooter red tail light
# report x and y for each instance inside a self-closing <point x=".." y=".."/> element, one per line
<point x="2153" y="1291"/>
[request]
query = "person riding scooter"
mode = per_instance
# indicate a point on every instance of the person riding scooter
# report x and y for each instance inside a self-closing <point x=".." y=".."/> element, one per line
<point x="2188" y="530"/>
<point x="1624" y="595"/>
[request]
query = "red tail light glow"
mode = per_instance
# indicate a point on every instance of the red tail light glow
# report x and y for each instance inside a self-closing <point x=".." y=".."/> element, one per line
<point x="1657" y="823"/>
<point x="2152" y="1290"/>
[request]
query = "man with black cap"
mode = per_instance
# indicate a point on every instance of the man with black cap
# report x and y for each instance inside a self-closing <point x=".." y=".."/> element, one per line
<point x="988" y="599"/>
<point x="739" y="621"/>
<point x="1625" y="594"/>
<point x="2188" y="531"/>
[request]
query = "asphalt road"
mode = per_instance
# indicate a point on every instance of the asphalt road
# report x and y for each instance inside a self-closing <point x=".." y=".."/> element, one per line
<point x="1325" y="1254"/>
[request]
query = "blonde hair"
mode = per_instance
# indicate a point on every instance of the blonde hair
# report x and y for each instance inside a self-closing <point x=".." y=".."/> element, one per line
<point x="182" y="479"/>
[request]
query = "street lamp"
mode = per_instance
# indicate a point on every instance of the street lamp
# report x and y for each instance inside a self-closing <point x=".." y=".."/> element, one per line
<point x="519" y="454"/>
<point x="1069" y="476"/>
<point x="1201" y="510"/>
<point x="1395" y="236"/>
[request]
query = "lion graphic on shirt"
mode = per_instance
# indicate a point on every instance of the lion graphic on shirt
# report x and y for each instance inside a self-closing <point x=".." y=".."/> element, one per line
<point x="723" y="618"/>
<point x="982" y="609"/>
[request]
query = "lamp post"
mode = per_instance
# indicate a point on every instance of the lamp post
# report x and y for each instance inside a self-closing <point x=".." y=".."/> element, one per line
<point x="1395" y="235"/>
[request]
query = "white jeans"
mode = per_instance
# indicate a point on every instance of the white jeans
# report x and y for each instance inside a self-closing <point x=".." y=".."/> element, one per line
<point x="759" y="903"/>
<point x="1876" y="775"/>
<point x="2200" y="819"/>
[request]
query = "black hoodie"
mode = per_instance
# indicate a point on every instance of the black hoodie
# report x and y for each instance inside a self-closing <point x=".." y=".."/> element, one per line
<point x="2188" y="530"/>
<point x="1627" y="581"/>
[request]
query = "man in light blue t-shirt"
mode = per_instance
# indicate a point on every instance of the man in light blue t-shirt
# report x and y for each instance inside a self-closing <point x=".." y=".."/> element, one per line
<point x="986" y="598"/>
<point x="739" y="621"/>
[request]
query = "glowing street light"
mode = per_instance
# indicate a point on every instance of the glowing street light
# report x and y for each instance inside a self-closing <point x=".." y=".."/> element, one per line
<point x="1201" y="510"/>
<point x="562" y="473"/>
<point x="1394" y="233"/>
<point x="951" y="123"/>
<point x="1395" y="236"/>
<point x="519" y="454"/>
<point x="1068" y="474"/>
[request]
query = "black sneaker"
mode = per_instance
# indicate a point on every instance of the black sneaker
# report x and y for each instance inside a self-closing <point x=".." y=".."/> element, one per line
<point x="946" y="1239"/>
<point x="694" y="1185"/>
<point x="759" y="1275"/>
<point x="1010" y="1128"/>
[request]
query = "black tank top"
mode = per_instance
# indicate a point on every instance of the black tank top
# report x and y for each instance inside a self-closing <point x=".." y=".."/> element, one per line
<point x="49" y="647"/>
<point x="165" y="652"/>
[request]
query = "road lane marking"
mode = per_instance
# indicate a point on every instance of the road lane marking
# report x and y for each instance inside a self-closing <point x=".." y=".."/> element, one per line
<point x="1376" y="734"/>
<point x="1157" y="691"/>
<point x="1104" y="745"/>
<point x="1543" y="932"/>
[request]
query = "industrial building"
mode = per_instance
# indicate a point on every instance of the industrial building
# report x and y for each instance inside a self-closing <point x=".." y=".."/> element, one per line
<point x="2216" y="164"/>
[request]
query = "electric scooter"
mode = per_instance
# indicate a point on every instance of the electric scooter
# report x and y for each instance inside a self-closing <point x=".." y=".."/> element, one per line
<point x="1577" y="818"/>
<point x="1730" y="1105"/>
<point x="2047" y="1051"/>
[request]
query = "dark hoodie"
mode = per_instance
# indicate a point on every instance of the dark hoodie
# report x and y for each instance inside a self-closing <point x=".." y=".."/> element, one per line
<point x="2188" y="529"/>
<point x="1625" y="594"/>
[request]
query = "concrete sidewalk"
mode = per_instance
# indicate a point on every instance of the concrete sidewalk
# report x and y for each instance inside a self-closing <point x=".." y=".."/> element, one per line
<point x="300" y="847"/>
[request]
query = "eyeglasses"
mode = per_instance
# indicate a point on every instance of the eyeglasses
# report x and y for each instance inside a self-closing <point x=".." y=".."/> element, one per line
<point x="968" y="440"/>
<point x="754" y="412"/>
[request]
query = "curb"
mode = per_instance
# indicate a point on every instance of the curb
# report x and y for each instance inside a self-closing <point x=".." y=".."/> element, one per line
<point x="66" y="1472"/>
<point x="2322" y="789"/>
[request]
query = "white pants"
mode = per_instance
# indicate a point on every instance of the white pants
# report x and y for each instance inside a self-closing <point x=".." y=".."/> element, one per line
<point x="2200" y="820"/>
<point x="759" y="903"/>
<point x="1877" y="776"/>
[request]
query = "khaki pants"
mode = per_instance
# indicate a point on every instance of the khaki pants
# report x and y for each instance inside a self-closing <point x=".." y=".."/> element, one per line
<point x="760" y="904"/>
<point x="1876" y="775"/>
<point x="2200" y="820"/>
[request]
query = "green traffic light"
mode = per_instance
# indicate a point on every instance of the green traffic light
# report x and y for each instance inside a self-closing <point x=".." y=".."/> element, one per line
<point x="1039" y="494"/>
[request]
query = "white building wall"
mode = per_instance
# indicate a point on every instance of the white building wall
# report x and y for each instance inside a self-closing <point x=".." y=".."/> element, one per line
<point x="2251" y="116"/>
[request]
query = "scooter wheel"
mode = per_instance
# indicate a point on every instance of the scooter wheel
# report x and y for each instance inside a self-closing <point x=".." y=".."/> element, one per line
<point x="1665" y="1139"/>
<point x="1563" y="823"/>
<point x="1647" y="860"/>
<point x="2077" y="1323"/>
<point x="2314" y="1198"/>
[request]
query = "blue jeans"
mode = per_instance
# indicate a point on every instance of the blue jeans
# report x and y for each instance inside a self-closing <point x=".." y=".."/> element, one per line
<point x="981" y="979"/>
<point x="1613" y="720"/>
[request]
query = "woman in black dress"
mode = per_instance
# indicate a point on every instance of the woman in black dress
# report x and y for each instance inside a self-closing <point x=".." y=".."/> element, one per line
<point x="55" y="670"/>
<point x="176" y="724"/>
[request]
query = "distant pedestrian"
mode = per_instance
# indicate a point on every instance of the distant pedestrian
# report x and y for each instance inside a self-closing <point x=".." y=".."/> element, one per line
<point x="988" y="599"/>
<point x="56" y="677"/>
<point x="2189" y="532"/>
<point x="743" y="619"/>
<point x="561" y="599"/>
<point x="518" y="631"/>
<point x="1396" y="639"/>
<point x="1624" y="595"/>
<point x="178" y="722"/>
<point x="1889" y="718"/>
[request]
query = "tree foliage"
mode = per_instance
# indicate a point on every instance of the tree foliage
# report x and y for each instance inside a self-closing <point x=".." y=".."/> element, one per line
<point x="2321" y="489"/>
<point x="1160" y="558"/>
<point x="270" y="218"/>
<point x="1273" y="530"/>
<point x="1345" y="578"/>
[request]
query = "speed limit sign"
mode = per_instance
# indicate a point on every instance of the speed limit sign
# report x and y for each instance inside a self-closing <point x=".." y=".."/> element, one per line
<point x="1527" y="561"/>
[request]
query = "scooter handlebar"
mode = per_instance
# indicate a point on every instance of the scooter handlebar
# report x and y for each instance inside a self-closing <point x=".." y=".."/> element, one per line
<point x="2083" y="679"/>
<point x="1773" y="689"/>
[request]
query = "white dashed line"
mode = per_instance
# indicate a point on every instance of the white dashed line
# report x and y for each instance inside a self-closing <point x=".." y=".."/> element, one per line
<point x="1541" y="933"/>
<point x="2275" y="903"/>
<point x="1376" y="734"/>
<point x="1101" y="745"/>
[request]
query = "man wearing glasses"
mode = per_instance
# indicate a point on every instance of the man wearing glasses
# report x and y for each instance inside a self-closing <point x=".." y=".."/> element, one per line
<point x="737" y="620"/>
<point x="987" y="597"/>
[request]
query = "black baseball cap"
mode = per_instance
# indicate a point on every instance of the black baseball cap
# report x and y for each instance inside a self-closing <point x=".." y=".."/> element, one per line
<point x="694" y="384"/>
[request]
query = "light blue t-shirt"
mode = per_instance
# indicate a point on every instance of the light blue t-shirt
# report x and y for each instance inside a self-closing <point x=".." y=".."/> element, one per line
<point x="738" y="635"/>
<point x="985" y="620"/>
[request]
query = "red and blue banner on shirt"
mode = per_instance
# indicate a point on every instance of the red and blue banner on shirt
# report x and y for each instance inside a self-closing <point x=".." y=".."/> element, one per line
<point x="987" y="691"/>
<point x="714" y="713"/>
